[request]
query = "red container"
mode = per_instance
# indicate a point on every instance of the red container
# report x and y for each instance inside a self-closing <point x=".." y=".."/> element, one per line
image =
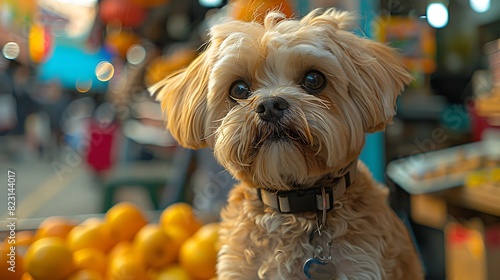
<point x="100" y="156"/>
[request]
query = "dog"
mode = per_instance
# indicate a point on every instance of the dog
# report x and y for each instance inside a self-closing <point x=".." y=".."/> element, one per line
<point x="285" y="105"/>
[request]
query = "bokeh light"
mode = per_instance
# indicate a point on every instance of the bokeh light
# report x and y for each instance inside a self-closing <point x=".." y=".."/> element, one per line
<point x="437" y="15"/>
<point x="104" y="71"/>
<point x="11" y="50"/>
<point x="480" y="6"/>
<point x="83" y="84"/>
<point x="136" y="54"/>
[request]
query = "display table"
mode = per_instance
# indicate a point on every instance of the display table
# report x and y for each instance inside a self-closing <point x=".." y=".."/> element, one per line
<point x="485" y="199"/>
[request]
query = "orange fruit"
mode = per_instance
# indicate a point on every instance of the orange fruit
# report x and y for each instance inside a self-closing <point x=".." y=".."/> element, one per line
<point x="125" y="220"/>
<point x="86" y="274"/>
<point x="199" y="258"/>
<point x="91" y="259"/>
<point x="152" y="274"/>
<point x="209" y="233"/>
<point x="256" y="10"/>
<point x="178" y="234"/>
<point x="24" y="238"/>
<point x="121" y="249"/>
<point x="155" y="247"/>
<point x="11" y="263"/>
<point x="49" y="259"/>
<point x="54" y="227"/>
<point x="182" y="215"/>
<point x="174" y="272"/>
<point x="27" y="276"/>
<point x="126" y="267"/>
<point x="90" y="236"/>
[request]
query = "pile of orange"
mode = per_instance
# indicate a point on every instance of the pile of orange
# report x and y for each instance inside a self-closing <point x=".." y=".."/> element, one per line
<point x="121" y="246"/>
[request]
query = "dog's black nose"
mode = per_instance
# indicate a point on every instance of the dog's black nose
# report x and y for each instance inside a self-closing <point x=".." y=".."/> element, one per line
<point x="271" y="109"/>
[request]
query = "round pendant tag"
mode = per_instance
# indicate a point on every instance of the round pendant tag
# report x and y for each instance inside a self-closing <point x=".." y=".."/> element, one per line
<point x="317" y="269"/>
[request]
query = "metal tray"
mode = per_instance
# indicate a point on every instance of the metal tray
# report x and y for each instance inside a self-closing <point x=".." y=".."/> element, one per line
<point x="443" y="169"/>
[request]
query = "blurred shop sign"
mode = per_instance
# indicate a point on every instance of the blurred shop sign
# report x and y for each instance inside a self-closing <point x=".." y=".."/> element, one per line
<point x="493" y="51"/>
<point x="62" y="49"/>
<point x="68" y="18"/>
<point x="414" y="38"/>
<point x="16" y="13"/>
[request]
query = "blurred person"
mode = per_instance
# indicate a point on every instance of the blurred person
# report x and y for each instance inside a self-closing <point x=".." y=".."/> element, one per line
<point x="8" y="113"/>
<point x="21" y="77"/>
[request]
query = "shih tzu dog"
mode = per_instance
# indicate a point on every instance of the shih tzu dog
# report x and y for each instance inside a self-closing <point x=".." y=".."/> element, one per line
<point x="285" y="106"/>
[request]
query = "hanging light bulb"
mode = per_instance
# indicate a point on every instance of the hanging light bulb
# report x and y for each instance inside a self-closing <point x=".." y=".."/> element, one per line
<point x="480" y="6"/>
<point x="437" y="14"/>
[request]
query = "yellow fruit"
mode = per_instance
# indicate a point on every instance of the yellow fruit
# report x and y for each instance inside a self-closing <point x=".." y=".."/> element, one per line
<point x="209" y="233"/>
<point x="152" y="274"/>
<point x="24" y="238"/>
<point x="54" y="227"/>
<point x="10" y="260"/>
<point x="49" y="259"/>
<point x="199" y="258"/>
<point x="125" y="220"/>
<point x="174" y="272"/>
<point x="86" y="274"/>
<point x="23" y="241"/>
<point x="90" y="236"/>
<point x="123" y="248"/>
<point x="26" y="276"/>
<point x="179" y="236"/>
<point x="178" y="233"/>
<point x="91" y="259"/>
<point x="155" y="247"/>
<point x="126" y="267"/>
<point x="182" y="215"/>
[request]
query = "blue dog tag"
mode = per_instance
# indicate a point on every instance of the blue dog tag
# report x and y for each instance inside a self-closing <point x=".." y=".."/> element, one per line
<point x="316" y="269"/>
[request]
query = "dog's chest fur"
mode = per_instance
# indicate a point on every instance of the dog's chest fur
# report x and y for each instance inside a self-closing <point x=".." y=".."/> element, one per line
<point x="368" y="240"/>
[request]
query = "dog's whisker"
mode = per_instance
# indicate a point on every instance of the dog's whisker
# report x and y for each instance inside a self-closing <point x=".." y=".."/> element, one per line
<point x="316" y="102"/>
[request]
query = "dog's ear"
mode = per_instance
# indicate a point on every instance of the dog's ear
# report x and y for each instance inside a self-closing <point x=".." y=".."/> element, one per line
<point x="183" y="97"/>
<point x="375" y="71"/>
<point x="383" y="77"/>
<point x="184" y="94"/>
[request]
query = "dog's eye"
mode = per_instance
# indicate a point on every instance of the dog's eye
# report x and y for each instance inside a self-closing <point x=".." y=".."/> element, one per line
<point x="314" y="81"/>
<point x="239" y="90"/>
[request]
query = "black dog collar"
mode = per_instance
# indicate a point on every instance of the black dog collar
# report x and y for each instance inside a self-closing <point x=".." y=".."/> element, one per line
<point x="310" y="199"/>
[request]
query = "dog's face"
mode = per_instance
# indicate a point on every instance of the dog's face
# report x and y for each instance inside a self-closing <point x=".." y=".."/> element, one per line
<point x="285" y="102"/>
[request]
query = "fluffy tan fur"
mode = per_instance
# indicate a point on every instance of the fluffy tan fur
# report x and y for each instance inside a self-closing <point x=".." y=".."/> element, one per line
<point x="324" y="132"/>
<point x="369" y="240"/>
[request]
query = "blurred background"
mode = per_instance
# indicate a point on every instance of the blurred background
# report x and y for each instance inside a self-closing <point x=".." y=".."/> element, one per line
<point x="81" y="132"/>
